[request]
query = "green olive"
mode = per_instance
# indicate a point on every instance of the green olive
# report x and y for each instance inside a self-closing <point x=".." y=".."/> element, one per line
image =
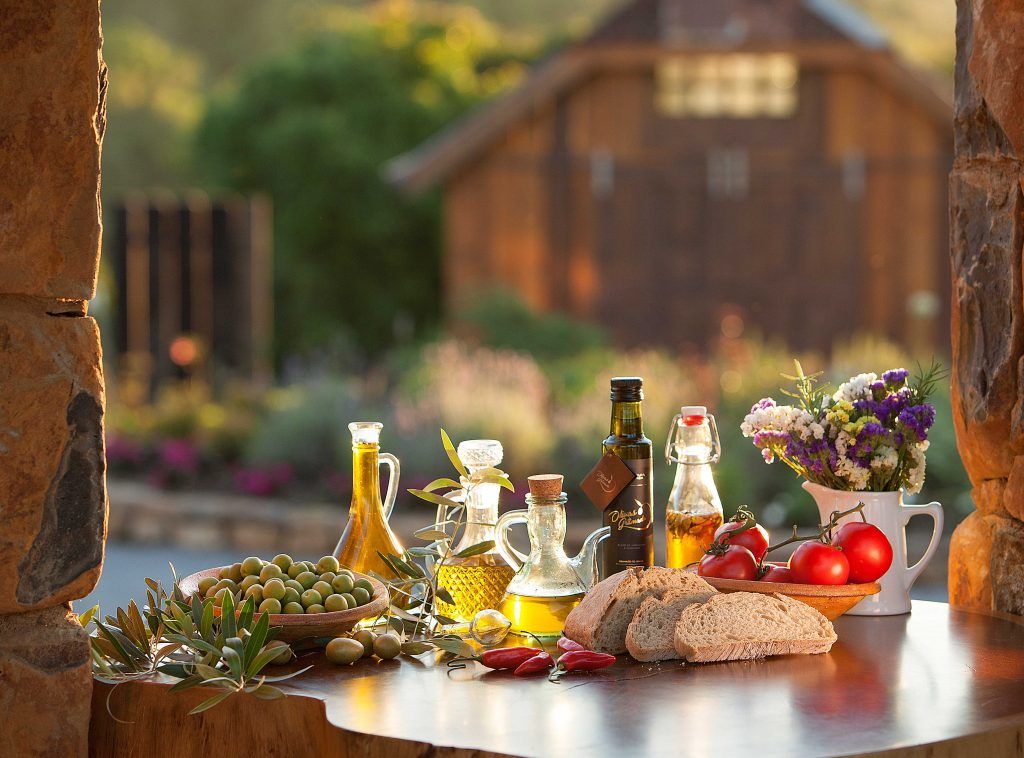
<point x="274" y="588"/>
<point x="342" y="583"/>
<point x="324" y="588"/>
<point x="256" y="593"/>
<point x="327" y="563"/>
<point x="235" y="572"/>
<point x="348" y="573"/>
<point x="307" y="579"/>
<point x="311" y="597"/>
<point x="387" y="646"/>
<point x="270" y="605"/>
<point x="294" y="608"/>
<point x="205" y="583"/>
<point x="218" y="599"/>
<point x="283" y="561"/>
<point x="361" y="595"/>
<point x="295" y="569"/>
<point x="235" y="643"/>
<point x="286" y="652"/>
<point x="310" y="566"/>
<point x="335" y="603"/>
<point x="350" y="599"/>
<point x="315" y="608"/>
<point x="247" y="582"/>
<point x="365" y="584"/>
<point x="224" y="573"/>
<point x="294" y="585"/>
<point x="365" y="638"/>
<point x="344" y="651"/>
<point x="291" y="595"/>
<point x="270" y="571"/>
<point x="251" y="566"/>
<point x="327" y="576"/>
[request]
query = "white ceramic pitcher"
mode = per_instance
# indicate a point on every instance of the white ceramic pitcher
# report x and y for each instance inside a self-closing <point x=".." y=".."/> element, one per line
<point x="887" y="511"/>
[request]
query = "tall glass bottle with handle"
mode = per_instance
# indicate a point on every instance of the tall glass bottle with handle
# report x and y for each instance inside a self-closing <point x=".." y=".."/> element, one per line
<point x="694" y="509"/>
<point x="630" y="515"/>
<point x="367" y="531"/>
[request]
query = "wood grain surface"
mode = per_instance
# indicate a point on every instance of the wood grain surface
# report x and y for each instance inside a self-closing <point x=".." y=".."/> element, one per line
<point x="938" y="682"/>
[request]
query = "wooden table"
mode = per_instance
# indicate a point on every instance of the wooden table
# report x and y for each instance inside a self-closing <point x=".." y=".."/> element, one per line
<point x="938" y="681"/>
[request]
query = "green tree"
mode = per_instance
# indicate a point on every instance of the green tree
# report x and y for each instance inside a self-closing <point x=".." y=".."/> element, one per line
<point x="314" y="128"/>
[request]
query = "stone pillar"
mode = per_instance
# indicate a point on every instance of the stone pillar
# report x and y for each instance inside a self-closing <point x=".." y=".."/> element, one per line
<point x="986" y="562"/>
<point x="52" y="491"/>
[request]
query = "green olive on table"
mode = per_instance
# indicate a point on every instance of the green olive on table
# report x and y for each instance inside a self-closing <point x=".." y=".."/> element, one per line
<point x="344" y="651"/>
<point x="286" y="652"/>
<point x="365" y="638"/>
<point x="387" y="646"/>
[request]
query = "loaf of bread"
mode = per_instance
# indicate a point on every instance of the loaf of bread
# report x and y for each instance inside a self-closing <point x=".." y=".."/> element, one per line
<point x="744" y="625"/>
<point x="651" y="633"/>
<point x="602" y="618"/>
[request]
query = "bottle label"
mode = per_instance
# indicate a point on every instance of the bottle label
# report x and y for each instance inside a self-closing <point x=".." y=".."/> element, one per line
<point x="631" y="518"/>
<point x="606" y="480"/>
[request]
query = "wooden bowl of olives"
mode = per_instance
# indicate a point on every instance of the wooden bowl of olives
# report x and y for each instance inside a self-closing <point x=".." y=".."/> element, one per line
<point x="305" y="599"/>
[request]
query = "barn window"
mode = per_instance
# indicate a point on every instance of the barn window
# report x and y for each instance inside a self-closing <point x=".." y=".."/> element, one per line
<point x="728" y="173"/>
<point x="728" y="86"/>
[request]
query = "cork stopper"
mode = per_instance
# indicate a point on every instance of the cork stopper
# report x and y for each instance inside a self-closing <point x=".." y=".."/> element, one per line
<point x="545" y="485"/>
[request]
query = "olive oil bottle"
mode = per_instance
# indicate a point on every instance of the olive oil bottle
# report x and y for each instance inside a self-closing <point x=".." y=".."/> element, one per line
<point x="630" y="515"/>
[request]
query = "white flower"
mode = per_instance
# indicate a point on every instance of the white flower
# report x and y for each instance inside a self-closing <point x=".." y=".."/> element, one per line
<point x="915" y="473"/>
<point x="885" y="459"/>
<point x="856" y="388"/>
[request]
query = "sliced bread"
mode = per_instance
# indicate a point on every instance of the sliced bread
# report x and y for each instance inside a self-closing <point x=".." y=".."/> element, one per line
<point x="601" y="619"/>
<point x="744" y="625"/>
<point x="651" y="633"/>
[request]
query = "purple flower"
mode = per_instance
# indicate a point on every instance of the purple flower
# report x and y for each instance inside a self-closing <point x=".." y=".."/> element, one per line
<point x="877" y="389"/>
<point x="180" y="456"/>
<point x="124" y="450"/>
<point x="762" y="404"/>
<point x="895" y="377"/>
<point x="916" y="421"/>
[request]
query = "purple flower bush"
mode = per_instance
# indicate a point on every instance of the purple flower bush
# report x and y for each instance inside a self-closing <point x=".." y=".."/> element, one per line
<point x="871" y="434"/>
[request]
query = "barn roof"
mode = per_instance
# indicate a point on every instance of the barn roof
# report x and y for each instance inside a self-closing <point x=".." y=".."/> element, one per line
<point x="645" y="27"/>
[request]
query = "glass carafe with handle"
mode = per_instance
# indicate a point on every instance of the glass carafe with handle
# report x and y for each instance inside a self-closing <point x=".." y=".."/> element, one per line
<point x="475" y="582"/>
<point x="548" y="583"/>
<point x="694" y="509"/>
<point x="367" y="531"/>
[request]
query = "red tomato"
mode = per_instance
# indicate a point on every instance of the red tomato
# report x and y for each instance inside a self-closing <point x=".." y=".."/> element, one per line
<point x="778" y="574"/>
<point x="818" y="563"/>
<point x="866" y="548"/>
<point x="754" y="539"/>
<point x="735" y="562"/>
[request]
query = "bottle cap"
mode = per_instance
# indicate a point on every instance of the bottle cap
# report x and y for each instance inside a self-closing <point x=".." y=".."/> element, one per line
<point x="545" y="485"/>
<point x="693" y="415"/>
<point x="627" y="388"/>
<point x="480" y="453"/>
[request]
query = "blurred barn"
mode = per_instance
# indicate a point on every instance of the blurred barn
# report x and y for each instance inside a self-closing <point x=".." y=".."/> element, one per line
<point x="695" y="167"/>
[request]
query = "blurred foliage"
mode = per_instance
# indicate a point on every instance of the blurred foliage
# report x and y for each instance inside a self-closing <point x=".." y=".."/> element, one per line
<point x="294" y="441"/>
<point x="313" y="128"/>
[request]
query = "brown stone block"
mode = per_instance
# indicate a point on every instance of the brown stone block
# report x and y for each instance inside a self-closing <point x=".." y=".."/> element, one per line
<point x="52" y="90"/>
<point x="995" y="62"/>
<point x="988" y="495"/>
<point x="970" y="552"/>
<point x="45" y="684"/>
<point x="986" y="235"/>
<point x="51" y="447"/>
<point x="1006" y="567"/>
<point x="976" y="131"/>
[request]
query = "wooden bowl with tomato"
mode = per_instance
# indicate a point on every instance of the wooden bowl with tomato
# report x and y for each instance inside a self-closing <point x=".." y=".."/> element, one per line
<point x="828" y="575"/>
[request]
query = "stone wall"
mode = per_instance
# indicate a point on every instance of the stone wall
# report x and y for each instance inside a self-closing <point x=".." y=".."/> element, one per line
<point x="986" y="562"/>
<point x="52" y="496"/>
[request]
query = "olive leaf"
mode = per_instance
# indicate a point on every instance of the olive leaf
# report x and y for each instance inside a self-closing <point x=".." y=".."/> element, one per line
<point x="453" y="456"/>
<point x="477" y="549"/>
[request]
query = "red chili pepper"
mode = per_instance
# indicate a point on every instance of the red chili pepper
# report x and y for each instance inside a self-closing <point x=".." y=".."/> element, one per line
<point x="566" y="645"/>
<point x="542" y="661"/>
<point x="585" y="660"/>
<point x="506" y="657"/>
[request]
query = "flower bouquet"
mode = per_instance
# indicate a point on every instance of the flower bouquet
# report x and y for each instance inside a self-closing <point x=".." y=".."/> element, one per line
<point x="871" y="434"/>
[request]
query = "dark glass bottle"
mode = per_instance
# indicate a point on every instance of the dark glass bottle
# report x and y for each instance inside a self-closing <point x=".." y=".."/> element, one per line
<point x="631" y="514"/>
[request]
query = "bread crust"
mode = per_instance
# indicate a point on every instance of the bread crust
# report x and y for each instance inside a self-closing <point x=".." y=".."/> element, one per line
<point x="638" y="627"/>
<point x="582" y="622"/>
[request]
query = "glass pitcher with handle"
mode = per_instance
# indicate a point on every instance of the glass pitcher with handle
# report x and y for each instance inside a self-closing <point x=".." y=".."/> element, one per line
<point x="367" y="531"/>
<point x="548" y="583"/>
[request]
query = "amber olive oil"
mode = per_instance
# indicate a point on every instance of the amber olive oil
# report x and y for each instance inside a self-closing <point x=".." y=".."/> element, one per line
<point x="542" y="616"/>
<point x="688" y="536"/>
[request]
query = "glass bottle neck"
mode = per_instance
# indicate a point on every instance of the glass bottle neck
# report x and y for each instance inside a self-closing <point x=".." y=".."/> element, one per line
<point x="626" y="419"/>
<point x="366" y="475"/>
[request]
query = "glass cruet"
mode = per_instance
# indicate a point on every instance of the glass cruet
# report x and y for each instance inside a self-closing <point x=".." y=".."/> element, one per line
<point x="548" y="583"/>
<point x="476" y="582"/>
<point x="694" y="508"/>
<point x="367" y="531"/>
